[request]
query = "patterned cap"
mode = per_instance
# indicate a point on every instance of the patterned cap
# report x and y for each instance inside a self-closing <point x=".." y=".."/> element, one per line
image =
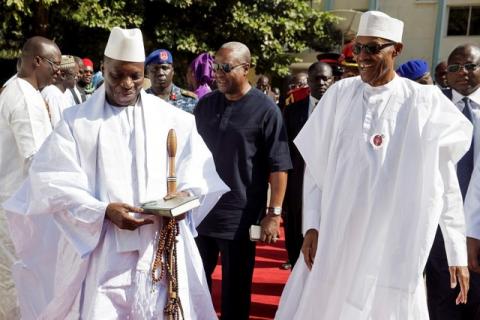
<point x="67" y="62"/>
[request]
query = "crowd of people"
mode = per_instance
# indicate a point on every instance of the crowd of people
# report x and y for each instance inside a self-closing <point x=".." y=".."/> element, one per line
<point x="372" y="168"/>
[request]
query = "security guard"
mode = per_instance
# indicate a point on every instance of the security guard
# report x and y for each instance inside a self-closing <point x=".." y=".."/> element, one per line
<point x="159" y="67"/>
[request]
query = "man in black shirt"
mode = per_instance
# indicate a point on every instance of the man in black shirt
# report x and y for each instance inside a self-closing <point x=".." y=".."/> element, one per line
<point x="244" y="130"/>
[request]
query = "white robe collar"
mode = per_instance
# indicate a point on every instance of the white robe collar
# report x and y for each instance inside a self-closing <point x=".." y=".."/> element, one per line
<point x="104" y="143"/>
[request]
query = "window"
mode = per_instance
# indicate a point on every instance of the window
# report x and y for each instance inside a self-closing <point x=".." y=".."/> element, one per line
<point x="464" y="21"/>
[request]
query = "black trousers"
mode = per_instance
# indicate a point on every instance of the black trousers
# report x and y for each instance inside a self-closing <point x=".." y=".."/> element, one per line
<point x="238" y="260"/>
<point x="293" y="233"/>
<point x="440" y="297"/>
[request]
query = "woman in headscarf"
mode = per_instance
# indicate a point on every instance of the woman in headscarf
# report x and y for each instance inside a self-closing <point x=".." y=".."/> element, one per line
<point x="200" y="75"/>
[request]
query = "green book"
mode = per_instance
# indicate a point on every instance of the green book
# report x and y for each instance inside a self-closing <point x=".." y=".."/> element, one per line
<point x="172" y="207"/>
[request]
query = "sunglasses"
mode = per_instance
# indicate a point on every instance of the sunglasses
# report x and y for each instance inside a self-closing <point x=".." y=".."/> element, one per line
<point x="371" y="48"/>
<point x="225" y="67"/>
<point x="457" y="67"/>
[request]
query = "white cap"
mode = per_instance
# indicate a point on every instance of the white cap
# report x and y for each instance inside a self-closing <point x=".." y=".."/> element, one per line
<point x="381" y="25"/>
<point x="125" y="45"/>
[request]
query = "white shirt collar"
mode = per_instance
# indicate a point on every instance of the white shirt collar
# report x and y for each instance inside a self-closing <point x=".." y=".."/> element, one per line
<point x="377" y="98"/>
<point x="380" y="89"/>
<point x="474" y="96"/>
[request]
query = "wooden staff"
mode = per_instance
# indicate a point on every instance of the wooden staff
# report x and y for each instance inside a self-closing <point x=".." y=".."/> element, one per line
<point x="166" y="255"/>
<point x="171" y="151"/>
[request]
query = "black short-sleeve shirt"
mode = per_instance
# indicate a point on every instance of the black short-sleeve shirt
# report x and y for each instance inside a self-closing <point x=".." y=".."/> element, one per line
<point x="248" y="141"/>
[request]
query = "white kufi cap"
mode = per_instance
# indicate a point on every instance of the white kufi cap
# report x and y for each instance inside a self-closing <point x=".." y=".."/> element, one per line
<point x="125" y="45"/>
<point x="381" y="25"/>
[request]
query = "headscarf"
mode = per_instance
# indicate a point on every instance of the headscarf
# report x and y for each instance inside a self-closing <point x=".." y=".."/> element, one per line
<point x="202" y="67"/>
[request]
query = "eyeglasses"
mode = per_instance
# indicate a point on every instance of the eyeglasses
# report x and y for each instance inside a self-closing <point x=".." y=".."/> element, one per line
<point x="457" y="67"/>
<point x="55" y="66"/>
<point x="225" y="67"/>
<point x="371" y="48"/>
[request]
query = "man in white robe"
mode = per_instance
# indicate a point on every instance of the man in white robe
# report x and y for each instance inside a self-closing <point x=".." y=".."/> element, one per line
<point x="55" y="95"/>
<point x="24" y="126"/>
<point x="380" y="176"/>
<point x="83" y="243"/>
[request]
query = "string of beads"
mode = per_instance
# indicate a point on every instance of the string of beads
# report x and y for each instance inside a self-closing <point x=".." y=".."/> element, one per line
<point x="165" y="263"/>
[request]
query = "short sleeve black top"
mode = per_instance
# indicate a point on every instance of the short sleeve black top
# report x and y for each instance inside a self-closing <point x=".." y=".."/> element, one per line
<point x="248" y="141"/>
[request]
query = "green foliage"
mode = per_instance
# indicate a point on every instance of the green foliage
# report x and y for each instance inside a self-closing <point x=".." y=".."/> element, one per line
<point x="78" y="26"/>
<point x="104" y="15"/>
<point x="273" y="29"/>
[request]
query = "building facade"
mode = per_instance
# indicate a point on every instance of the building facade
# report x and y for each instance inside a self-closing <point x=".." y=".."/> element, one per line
<point x="433" y="28"/>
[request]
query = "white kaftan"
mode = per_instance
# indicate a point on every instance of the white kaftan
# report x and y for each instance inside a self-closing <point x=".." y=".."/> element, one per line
<point x="97" y="155"/>
<point x="57" y="102"/>
<point x="377" y="210"/>
<point x="24" y="125"/>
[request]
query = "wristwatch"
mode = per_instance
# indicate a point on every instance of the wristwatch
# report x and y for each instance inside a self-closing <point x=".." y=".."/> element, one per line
<point x="276" y="211"/>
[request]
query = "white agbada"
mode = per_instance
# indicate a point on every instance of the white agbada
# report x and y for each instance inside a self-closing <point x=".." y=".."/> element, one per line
<point x="377" y="210"/>
<point x="24" y="125"/>
<point x="90" y="268"/>
<point x="57" y="102"/>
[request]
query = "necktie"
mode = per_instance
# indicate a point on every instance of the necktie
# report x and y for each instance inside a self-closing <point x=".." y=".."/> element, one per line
<point x="465" y="165"/>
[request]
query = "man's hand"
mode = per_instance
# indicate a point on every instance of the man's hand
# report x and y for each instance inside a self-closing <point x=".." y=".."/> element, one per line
<point x="473" y="247"/>
<point x="309" y="247"/>
<point x="270" y="228"/>
<point x="118" y="213"/>
<point x="461" y="274"/>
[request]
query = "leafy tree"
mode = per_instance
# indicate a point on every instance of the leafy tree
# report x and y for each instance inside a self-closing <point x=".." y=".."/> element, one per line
<point x="274" y="30"/>
<point x="78" y="26"/>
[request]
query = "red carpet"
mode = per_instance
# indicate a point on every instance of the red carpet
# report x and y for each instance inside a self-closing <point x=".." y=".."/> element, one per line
<point x="268" y="281"/>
